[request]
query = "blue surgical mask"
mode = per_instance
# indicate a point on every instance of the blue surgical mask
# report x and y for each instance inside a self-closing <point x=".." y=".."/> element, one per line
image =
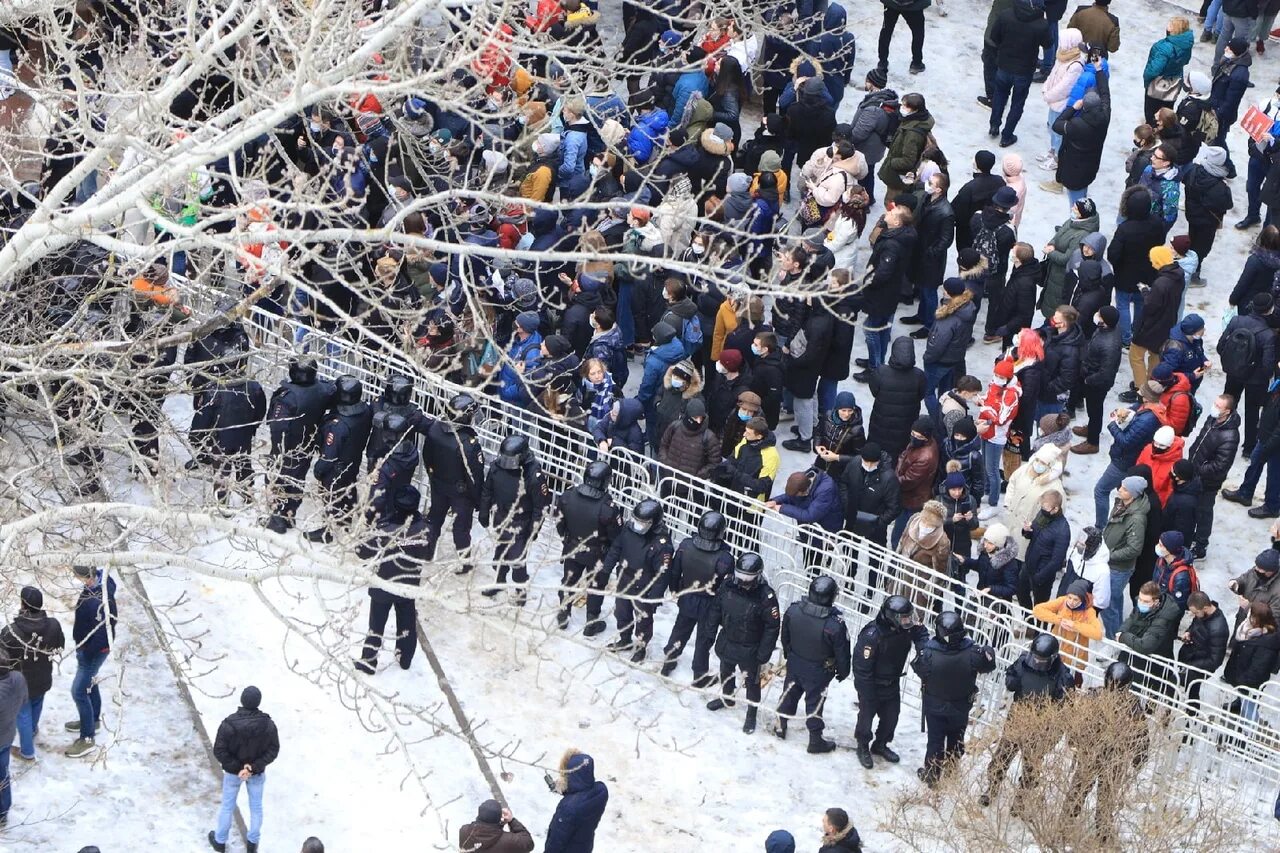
<point x="1144" y="608"/>
<point x="755" y="350"/>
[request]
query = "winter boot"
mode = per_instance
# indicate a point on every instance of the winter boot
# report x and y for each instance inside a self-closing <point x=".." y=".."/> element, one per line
<point x="883" y="750"/>
<point x="818" y="744"/>
<point x="750" y="725"/>
<point x="864" y="756"/>
<point x="82" y="747"/>
<point x="717" y="704"/>
<point x="780" y="729"/>
<point x="215" y="844"/>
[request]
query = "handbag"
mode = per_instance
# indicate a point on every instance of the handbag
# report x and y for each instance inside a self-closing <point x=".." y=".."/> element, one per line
<point x="1164" y="89"/>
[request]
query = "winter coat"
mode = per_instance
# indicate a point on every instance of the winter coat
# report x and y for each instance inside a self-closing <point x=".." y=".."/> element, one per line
<point x="1073" y="642"/>
<point x="1018" y="35"/>
<point x="871" y="499"/>
<point x="801" y="372"/>
<point x="246" y="737"/>
<point x="905" y="150"/>
<point x="1168" y="57"/>
<point x="693" y="451"/>
<point x="1208" y="197"/>
<point x="482" y="837"/>
<point x="1026" y="488"/>
<point x="1207" y="648"/>
<point x="31" y="642"/>
<point x="1253" y="661"/>
<point x="952" y="329"/>
<point x="898" y="388"/>
<point x="1159" y="309"/>
<point x="891" y="261"/>
<point x="1214" y="450"/>
<point x="998" y="571"/>
<point x="1258" y="276"/>
<point x="1066" y="240"/>
<point x="973" y="198"/>
<point x="936" y="229"/>
<point x="821" y="506"/>
<point x="1017" y="306"/>
<point x="916" y="471"/>
<point x="932" y="551"/>
<point x="844" y="438"/>
<point x="1125" y="534"/>
<point x="1062" y="361"/>
<point x="1046" y="551"/>
<point x="1229" y="86"/>
<point x="1152" y="633"/>
<point x="1095" y="569"/>
<point x="1084" y="133"/>
<point x="582" y="805"/>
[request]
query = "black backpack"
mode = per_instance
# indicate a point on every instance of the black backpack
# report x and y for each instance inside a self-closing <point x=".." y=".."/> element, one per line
<point x="1239" y="351"/>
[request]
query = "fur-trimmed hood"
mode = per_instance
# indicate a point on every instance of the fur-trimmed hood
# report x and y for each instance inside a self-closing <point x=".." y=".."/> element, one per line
<point x="954" y="304"/>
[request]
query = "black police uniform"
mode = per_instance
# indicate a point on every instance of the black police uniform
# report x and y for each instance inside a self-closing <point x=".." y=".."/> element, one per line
<point x="642" y="560"/>
<point x="343" y="438"/>
<point x="879" y="659"/>
<point x="587" y="521"/>
<point x="695" y="576"/>
<point x="748" y="621"/>
<point x="294" y="417"/>
<point x="514" y="501"/>
<point x="815" y="642"/>
<point x="400" y="546"/>
<point x="455" y="468"/>
<point x="1026" y="683"/>
<point x="948" y="671"/>
<point x="395" y="470"/>
<point x="227" y="414"/>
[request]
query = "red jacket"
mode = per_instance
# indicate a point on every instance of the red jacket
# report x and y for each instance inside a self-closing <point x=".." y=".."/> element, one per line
<point x="1177" y="401"/>
<point x="1161" y="464"/>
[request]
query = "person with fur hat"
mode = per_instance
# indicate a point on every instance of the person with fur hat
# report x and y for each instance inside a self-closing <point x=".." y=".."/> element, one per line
<point x="1160" y="303"/>
<point x="1074" y="621"/>
<point x="681" y="383"/>
<point x="583" y="800"/>
<point x="246" y="743"/>
<point x="916" y="471"/>
<point x="925" y="541"/>
<point x="1124" y="534"/>
<point x="495" y="830"/>
<point x="1048" y="537"/>
<point x="1028" y="486"/>
<point x="1208" y="198"/>
<point x="31" y="642"/>
<point x="995" y="418"/>
<point x="1089" y="560"/>
<point x="974" y="196"/>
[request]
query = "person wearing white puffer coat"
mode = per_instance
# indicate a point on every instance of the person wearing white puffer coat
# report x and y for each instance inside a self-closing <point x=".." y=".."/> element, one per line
<point x="1040" y="475"/>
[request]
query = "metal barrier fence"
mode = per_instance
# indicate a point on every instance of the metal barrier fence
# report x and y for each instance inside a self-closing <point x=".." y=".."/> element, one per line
<point x="1221" y="746"/>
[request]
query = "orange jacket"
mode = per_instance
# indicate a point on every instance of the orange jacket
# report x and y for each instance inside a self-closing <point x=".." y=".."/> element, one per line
<point x="1161" y="464"/>
<point x="1074" y="644"/>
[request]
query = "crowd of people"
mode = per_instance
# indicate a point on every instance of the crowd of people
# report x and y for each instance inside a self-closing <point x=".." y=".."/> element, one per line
<point x="725" y="264"/>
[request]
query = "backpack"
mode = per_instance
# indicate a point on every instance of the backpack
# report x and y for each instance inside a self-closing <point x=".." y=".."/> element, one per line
<point x="1194" y="416"/>
<point x="1187" y="568"/>
<point x="1239" y="351"/>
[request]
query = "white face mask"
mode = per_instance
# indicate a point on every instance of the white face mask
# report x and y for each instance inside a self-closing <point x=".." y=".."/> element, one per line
<point x="927" y="530"/>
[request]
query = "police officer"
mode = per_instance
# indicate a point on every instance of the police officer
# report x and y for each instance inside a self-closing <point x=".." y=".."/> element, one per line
<point x="400" y="546"/>
<point x="512" y="501"/>
<point x="815" y="643"/>
<point x="1037" y="675"/>
<point x="642" y="553"/>
<point x="395" y="467"/>
<point x="294" y="416"/>
<point x="343" y="438"/>
<point x="396" y="399"/>
<point x="588" y="522"/>
<point x="227" y="413"/>
<point x="700" y="564"/>
<point x="455" y="468"/>
<point x="746" y="612"/>
<point x="879" y="660"/>
<point x="948" y="665"/>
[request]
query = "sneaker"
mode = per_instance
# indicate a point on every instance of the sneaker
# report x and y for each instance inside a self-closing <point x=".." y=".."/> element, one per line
<point x="916" y="67"/>
<point x="16" y="752"/>
<point x="1084" y="448"/>
<point x="1248" y="222"/>
<point x="1052" y="186"/>
<point x="1010" y="140"/>
<point x="984" y="101"/>
<point x="82" y="747"/>
<point x="988" y="512"/>
<point x="221" y="847"/>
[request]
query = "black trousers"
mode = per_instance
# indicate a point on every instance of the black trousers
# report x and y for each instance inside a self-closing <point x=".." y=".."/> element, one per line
<point x="1204" y="514"/>
<point x="464" y="511"/>
<point x="915" y="21"/>
<point x="380" y="607"/>
<point x="945" y="740"/>
<point x="1093" y="405"/>
<point x="290" y="481"/>
<point x="511" y="550"/>
<point x="729" y="682"/>
<point x="680" y="633"/>
<point x="575" y="572"/>
<point x="883" y="701"/>
<point x="814" y="690"/>
<point x="1249" y="400"/>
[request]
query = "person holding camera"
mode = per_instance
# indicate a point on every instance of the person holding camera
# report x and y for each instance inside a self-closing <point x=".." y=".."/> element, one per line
<point x="495" y="830"/>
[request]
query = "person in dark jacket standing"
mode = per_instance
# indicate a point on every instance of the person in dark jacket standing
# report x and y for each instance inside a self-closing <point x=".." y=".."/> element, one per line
<point x="93" y="632"/>
<point x="495" y="830"/>
<point x="400" y="547"/>
<point x="911" y="11"/>
<point x="1213" y="453"/>
<point x="641" y="553"/>
<point x="948" y="341"/>
<point x="936" y="229"/>
<point x="879" y="658"/>
<point x="973" y="197"/>
<point x="815" y="644"/>
<point x="699" y="566"/>
<point x="31" y="642"/>
<point x="745" y="611"/>
<point x="246" y="743"/>
<point x="871" y="496"/>
<point x="898" y="388"/>
<point x="455" y="468"/>
<point x="1247" y="350"/>
<point x="582" y="803"/>
<point x="948" y="665"/>
<point x="1083" y="127"/>
<point x="587" y="522"/>
<point x="1208" y="198"/>
<point x="1049" y="537"/>
<point x="1204" y="643"/>
<point x="891" y="261"/>
<point x="513" y="500"/>
<point x="1037" y="675"/>
<point x="1018" y="35"/>
<point x="343" y="438"/>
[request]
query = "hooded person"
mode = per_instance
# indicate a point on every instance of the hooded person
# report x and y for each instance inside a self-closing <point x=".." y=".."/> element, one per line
<point x="1028" y="485"/>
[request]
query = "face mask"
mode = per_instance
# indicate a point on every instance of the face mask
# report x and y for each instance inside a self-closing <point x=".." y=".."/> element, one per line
<point x="315" y="127"/>
<point x="595" y="170"/>
<point x="744" y="416"/>
<point x="721" y="369"/>
<point x="677" y="383"/>
<point x="1215" y="412"/>
<point x="697" y="248"/>
<point x="927" y="530"/>
<point x="1143" y="607"/>
<point x="756" y="351"/>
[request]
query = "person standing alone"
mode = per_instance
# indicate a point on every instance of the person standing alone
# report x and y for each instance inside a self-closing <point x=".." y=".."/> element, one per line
<point x="247" y="742"/>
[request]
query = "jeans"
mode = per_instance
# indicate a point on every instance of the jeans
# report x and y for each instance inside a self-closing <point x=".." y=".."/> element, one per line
<point x="1074" y="196"/>
<point x="928" y="306"/>
<point x="84" y="689"/>
<point x="1123" y="302"/>
<point x="992" y="456"/>
<point x="1055" y="139"/>
<point x="1106" y="484"/>
<point x="1113" y="614"/>
<point x="6" y="784"/>
<point x="28" y="725"/>
<point x="230" y="790"/>
<point x="806" y="409"/>
<point x="1231" y="27"/>
<point x="877" y="331"/>
<point x="915" y="21"/>
<point x="1252" y="474"/>
<point x="936" y="376"/>
<point x="827" y="389"/>
<point x="1050" y="52"/>
<point x="1011" y="89"/>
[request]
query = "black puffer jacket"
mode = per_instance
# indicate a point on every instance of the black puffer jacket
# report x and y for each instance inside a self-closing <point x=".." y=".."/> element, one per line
<point x="32" y="640"/>
<point x="891" y="258"/>
<point x="952" y="329"/>
<point x="898" y="388"/>
<point x="1061" y="363"/>
<point x="246" y="737"/>
<point x="1084" y="133"/>
<point x="1214" y="450"/>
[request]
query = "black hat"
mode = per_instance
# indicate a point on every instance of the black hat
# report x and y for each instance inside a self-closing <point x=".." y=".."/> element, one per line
<point x="489" y="812"/>
<point x="251" y="698"/>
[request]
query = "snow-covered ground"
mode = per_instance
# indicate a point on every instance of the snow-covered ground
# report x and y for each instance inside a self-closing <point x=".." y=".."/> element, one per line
<point x="681" y="777"/>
